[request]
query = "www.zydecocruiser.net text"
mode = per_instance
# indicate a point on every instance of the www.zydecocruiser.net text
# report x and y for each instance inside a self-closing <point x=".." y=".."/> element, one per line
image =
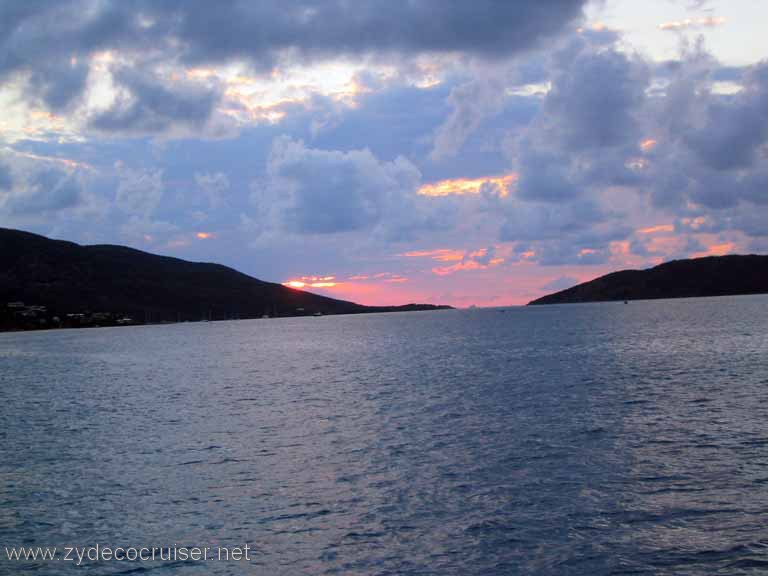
<point x="99" y="553"/>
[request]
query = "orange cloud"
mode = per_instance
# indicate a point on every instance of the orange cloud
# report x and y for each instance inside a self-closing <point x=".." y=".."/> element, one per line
<point x="204" y="235"/>
<point x="657" y="229"/>
<point x="443" y="254"/>
<point x="717" y="250"/>
<point x="648" y="144"/>
<point x="677" y="25"/>
<point x="597" y="27"/>
<point x="463" y="186"/>
<point x="694" y="223"/>
<point x="468" y="265"/>
<point x="470" y="261"/>
<point x="385" y="277"/>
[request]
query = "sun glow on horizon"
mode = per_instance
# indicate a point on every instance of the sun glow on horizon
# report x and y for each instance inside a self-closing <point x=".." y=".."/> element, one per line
<point x="312" y="282"/>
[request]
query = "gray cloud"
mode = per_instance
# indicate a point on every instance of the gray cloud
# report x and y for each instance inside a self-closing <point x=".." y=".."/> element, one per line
<point x="702" y="162"/>
<point x="139" y="192"/>
<point x="311" y="191"/>
<point x="711" y="144"/>
<point x="526" y="221"/>
<point x="733" y="127"/>
<point x="59" y="81"/>
<point x="471" y="103"/>
<point x="589" y="123"/>
<point x="6" y="179"/>
<point x="213" y="187"/>
<point x="152" y="106"/>
<point x="39" y="38"/>
<point x="46" y="191"/>
<point x="596" y="96"/>
<point x="260" y="29"/>
<point x="546" y="176"/>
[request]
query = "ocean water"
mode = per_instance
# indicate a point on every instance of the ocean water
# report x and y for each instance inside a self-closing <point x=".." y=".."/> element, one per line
<point x="585" y="439"/>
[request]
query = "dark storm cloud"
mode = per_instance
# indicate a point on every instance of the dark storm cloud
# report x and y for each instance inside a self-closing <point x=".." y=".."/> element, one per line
<point x="40" y="37"/>
<point x="256" y="30"/>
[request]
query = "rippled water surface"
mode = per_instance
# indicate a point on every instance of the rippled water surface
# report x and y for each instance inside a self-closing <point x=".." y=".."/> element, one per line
<point x="586" y="439"/>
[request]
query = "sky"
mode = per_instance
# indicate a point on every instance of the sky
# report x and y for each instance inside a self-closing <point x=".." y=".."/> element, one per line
<point x="472" y="152"/>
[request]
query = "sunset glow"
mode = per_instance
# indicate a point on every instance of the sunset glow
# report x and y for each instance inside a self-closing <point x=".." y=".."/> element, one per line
<point x="648" y="145"/>
<point x="657" y="229"/>
<point x="443" y="254"/>
<point x="461" y="186"/>
<point x="312" y="282"/>
<point x="455" y="154"/>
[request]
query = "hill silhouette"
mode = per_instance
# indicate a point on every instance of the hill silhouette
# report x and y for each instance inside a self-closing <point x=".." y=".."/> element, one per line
<point x="69" y="278"/>
<point x="709" y="276"/>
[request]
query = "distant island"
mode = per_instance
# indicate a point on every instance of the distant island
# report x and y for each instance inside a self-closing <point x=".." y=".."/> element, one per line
<point x="47" y="283"/>
<point x="709" y="276"/>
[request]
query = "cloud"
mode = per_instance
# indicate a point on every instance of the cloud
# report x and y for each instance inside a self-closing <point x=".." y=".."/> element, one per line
<point x="595" y="97"/>
<point x="527" y="221"/>
<point x="59" y="81"/>
<point x="440" y="254"/>
<point x="36" y="188"/>
<point x="259" y="30"/>
<point x="472" y="260"/>
<point x="491" y="89"/>
<point x="693" y="152"/>
<point x="149" y="105"/>
<point x="213" y="186"/>
<point x="6" y="178"/>
<point x="711" y="145"/>
<point x="46" y="191"/>
<point x="471" y="103"/>
<point x="52" y="44"/>
<point x="731" y="128"/>
<point x="588" y="123"/>
<point x="546" y="176"/>
<point x="139" y="192"/>
<point x="489" y="186"/>
<point x="313" y="191"/>
<point x="692" y="24"/>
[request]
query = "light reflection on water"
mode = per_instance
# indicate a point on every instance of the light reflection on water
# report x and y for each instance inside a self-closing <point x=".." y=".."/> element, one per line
<point x="588" y="439"/>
